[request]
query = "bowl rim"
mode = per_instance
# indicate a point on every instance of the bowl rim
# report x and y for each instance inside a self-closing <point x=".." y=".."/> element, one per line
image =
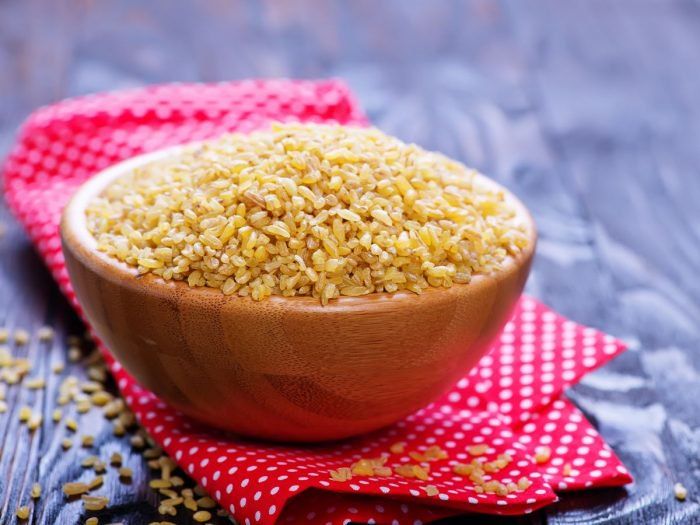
<point x="76" y="236"/>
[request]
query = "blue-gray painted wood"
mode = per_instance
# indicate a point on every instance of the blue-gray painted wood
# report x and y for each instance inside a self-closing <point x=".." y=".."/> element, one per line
<point x="589" y="110"/>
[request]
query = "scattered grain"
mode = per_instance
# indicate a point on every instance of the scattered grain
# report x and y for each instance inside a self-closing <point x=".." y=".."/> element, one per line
<point x="398" y="448"/>
<point x="89" y="461"/>
<point x="363" y="467"/>
<point x="167" y="465"/>
<point x="125" y="473"/>
<point x="173" y="501"/>
<point x="477" y="471"/>
<point x="159" y="484"/>
<point x="24" y="414"/>
<point x="34" y="421"/>
<point x="566" y="469"/>
<point x="90" y="386"/>
<point x="202" y="516"/>
<point x="6" y="358"/>
<point x="137" y="441"/>
<point x="21" y="337"/>
<point x="478" y="450"/>
<point x="118" y="428"/>
<point x="23" y="512"/>
<point x="420" y="472"/>
<point x="10" y="376"/>
<point x="74" y="354"/>
<point x="416" y="456"/>
<point x="127" y="418"/>
<point x="542" y="454"/>
<point x="495" y="487"/>
<point x="153" y="453"/>
<point x="36" y="491"/>
<point x="431" y="490"/>
<point x="113" y="409"/>
<point x="75" y="488"/>
<point x="434" y="453"/>
<point x="680" y="492"/>
<point x="83" y="406"/>
<point x="341" y="474"/>
<point x="206" y="502"/>
<point x="383" y="472"/>
<point x="524" y="483"/>
<point x="100" y="398"/>
<point x="94" y="502"/>
<point x="177" y="481"/>
<point x="97" y="373"/>
<point x="96" y="482"/>
<point x="35" y="383"/>
<point x="45" y="333"/>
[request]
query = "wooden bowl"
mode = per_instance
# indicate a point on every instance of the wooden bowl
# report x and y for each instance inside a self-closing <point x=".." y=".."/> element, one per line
<point x="285" y="369"/>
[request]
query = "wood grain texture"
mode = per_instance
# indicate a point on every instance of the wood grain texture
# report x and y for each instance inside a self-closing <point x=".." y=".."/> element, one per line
<point x="587" y="109"/>
<point x="287" y="368"/>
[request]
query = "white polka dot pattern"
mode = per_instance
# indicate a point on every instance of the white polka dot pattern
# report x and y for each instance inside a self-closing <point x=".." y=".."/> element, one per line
<point x="512" y="400"/>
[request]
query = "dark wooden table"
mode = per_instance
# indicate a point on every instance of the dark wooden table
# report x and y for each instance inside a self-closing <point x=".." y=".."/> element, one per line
<point x="588" y="110"/>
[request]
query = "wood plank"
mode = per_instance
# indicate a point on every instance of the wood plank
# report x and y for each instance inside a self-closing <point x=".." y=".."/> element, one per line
<point x="587" y="109"/>
<point x="629" y="92"/>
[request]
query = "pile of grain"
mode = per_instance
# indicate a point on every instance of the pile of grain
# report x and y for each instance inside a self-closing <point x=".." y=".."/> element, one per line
<point x="309" y="210"/>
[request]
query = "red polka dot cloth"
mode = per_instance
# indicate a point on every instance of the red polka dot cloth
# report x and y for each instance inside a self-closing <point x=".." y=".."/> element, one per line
<point x="512" y="401"/>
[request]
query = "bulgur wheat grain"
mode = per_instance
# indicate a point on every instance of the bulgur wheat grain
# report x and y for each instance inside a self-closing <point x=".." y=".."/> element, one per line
<point x="21" y="337"/>
<point x="75" y="488"/>
<point x="202" y="516"/>
<point x="206" y="502"/>
<point x="680" y="492"/>
<point x="24" y="414"/>
<point x="23" y="512"/>
<point x="94" y="502"/>
<point x="305" y="209"/>
<point x="478" y="450"/>
<point x="45" y="333"/>
<point x="34" y="421"/>
<point x="542" y="454"/>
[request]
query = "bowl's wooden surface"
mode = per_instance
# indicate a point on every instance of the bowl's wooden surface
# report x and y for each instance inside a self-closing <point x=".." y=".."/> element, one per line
<point x="285" y="368"/>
